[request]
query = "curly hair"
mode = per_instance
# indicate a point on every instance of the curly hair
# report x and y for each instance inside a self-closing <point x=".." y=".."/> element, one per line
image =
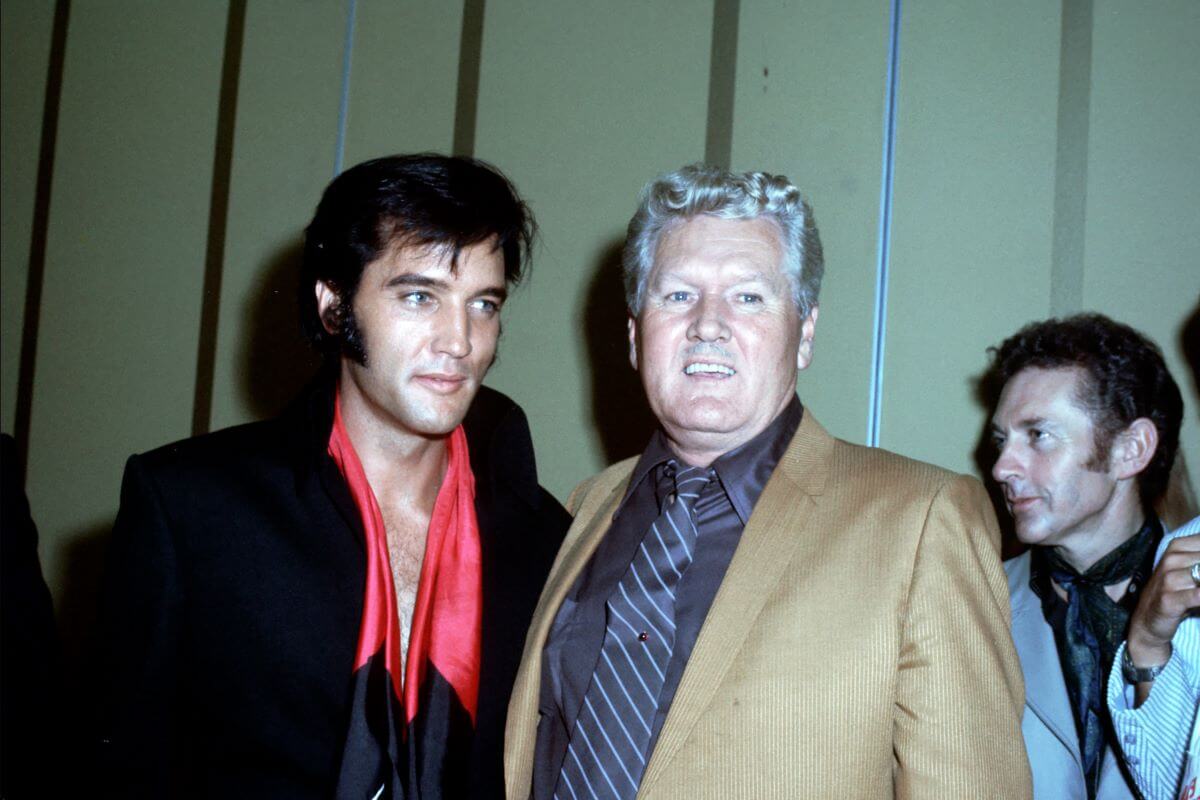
<point x="700" y="189"/>
<point x="1126" y="379"/>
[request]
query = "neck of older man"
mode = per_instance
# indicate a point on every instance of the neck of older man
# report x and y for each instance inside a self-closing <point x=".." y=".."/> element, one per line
<point x="702" y="448"/>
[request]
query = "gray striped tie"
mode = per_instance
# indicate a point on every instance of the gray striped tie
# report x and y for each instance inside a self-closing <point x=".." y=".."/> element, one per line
<point x="607" y="752"/>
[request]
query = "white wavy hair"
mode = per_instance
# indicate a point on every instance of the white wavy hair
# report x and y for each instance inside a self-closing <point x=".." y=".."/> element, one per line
<point x="701" y="189"/>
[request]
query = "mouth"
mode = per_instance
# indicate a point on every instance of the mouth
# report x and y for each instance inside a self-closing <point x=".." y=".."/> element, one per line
<point x="1018" y="504"/>
<point x="709" y="369"/>
<point x="444" y="382"/>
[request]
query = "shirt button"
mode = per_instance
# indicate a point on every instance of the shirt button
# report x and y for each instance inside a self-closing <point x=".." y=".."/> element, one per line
<point x="1130" y="738"/>
<point x="1133" y="761"/>
<point x="642" y="636"/>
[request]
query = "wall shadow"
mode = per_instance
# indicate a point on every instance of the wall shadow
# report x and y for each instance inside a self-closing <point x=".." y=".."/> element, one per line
<point x="620" y="415"/>
<point x="75" y="708"/>
<point x="1189" y="343"/>
<point x="275" y="360"/>
<point x="77" y="614"/>
<point x="1179" y="504"/>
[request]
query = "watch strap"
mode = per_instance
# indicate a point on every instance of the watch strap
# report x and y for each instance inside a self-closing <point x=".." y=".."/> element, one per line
<point x="1133" y="674"/>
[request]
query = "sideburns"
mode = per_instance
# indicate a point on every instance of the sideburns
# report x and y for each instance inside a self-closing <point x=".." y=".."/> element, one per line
<point x="340" y="318"/>
<point x="1102" y="441"/>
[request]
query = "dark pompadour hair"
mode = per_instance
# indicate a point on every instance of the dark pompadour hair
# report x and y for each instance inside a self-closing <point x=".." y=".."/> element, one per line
<point x="1126" y="379"/>
<point x="421" y="200"/>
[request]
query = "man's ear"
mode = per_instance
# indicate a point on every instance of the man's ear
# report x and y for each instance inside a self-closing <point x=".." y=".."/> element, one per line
<point x="631" y="324"/>
<point x="1133" y="448"/>
<point x="808" y="327"/>
<point x="328" y="307"/>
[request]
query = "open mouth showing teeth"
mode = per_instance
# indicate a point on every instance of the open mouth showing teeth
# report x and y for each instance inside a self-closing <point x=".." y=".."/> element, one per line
<point x="708" y="369"/>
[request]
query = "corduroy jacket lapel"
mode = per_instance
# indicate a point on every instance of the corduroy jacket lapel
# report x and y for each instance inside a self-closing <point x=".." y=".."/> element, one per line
<point x="1045" y="691"/>
<point x="782" y="526"/>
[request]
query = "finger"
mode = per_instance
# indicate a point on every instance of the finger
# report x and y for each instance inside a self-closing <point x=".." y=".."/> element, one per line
<point x="1161" y="620"/>
<point x="1182" y="602"/>
<point x="1179" y="579"/>
<point x="1184" y="544"/>
<point x="1177" y="559"/>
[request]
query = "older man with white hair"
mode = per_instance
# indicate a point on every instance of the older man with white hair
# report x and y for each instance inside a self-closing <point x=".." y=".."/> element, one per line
<point x="753" y="608"/>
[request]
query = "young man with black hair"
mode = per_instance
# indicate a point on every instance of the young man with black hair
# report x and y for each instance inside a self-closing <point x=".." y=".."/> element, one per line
<point x="333" y="603"/>
<point x="1086" y="430"/>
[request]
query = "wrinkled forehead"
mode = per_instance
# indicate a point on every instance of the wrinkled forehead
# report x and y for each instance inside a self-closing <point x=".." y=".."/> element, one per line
<point x="707" y="243"/>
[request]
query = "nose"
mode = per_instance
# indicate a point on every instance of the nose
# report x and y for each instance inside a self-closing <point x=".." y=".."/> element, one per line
<point x="709" y="323"/>
<point x="453" y="333"/>
<point x="1008" y="465"/>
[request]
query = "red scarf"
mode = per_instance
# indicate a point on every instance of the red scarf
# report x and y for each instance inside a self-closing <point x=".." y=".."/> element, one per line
<point x="411" y="754"/>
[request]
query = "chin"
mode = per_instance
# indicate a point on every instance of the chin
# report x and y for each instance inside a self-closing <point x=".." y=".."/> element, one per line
<point x="437" y="424"/>
<point x="706" y="423"/>
<point x="1033" y="534"/>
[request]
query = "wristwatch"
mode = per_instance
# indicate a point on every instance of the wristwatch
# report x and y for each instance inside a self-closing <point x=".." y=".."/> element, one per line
<point x="1134" y="674"/>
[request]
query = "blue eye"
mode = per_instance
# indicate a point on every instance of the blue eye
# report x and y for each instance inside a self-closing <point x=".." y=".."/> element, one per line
<point x="678" y="297"/>
<point x="749" y="298"/>
<point x="487" y="306"/>
<point x="416" y="298"/>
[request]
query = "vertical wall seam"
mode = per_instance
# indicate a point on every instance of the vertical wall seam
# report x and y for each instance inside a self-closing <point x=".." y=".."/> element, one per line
<point x="218" y="217"/>
<point x="23" y="412"/>
<point x="875" y="407"/>
<point x="722" y="84"/>
<point x="344" y="103"/>
<point x="1071" y="155"/>
<point x="470" y="57"/>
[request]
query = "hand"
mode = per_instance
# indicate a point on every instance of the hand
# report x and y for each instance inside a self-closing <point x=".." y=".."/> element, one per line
<point x="1166" y="599"/>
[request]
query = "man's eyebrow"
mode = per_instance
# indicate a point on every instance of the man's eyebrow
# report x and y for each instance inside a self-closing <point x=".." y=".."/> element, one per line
<point x="414" y="279"/>
<point x="495" y="291"/>
<point x="665" y="274"/>
<point x="1027" y="422"/>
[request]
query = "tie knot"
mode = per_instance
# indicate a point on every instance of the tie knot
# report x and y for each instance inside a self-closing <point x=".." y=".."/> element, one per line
<point x="684" y="482"/>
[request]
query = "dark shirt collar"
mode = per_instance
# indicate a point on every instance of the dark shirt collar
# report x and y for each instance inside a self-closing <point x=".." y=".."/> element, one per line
<point x="1039" y="567"/>
<point x="743" y="471"/>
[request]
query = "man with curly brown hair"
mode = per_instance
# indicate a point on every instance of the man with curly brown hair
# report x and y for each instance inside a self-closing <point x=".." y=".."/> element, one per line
<point x="1086" y="429"/>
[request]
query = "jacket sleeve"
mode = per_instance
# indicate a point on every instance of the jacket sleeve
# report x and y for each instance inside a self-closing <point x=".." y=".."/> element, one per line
<point x="1154" y="737"/>
<point x="959" y="692"/>
<point x="139" y="656"/>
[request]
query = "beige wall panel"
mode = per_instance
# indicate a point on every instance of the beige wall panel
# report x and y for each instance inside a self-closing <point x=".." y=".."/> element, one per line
<point x="124" y="263"/>
<point x="403" y="79"/>
<point x="1143" y="190"/>
<point x="973" y="211"/>
<point x="285" y="142"/>
<point x="581" y="104"/>
<point x="810" y="103"/>
<point x="25" y="30"/>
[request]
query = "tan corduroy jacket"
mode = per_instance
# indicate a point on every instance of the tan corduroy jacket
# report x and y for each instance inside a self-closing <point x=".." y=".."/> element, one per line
<point x="858" y="646"/>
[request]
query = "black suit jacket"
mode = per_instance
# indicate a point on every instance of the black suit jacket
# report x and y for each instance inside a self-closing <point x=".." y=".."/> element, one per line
<point x="234" y="597"/>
